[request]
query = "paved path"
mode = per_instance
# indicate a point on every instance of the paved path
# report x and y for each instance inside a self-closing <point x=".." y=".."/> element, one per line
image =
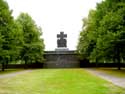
<point x="14" y="74"/>
<point x="115" y="80"/>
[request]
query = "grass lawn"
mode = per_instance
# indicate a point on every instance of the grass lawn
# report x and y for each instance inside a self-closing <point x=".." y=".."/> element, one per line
<point x="57" y="81"/>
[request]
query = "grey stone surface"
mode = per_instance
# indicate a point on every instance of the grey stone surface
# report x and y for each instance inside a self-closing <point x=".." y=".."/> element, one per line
<point x="61" y="40"/>
<point x="61" y="49"/>
<point x="60" y="52"/>
<point x="61" y="59"/>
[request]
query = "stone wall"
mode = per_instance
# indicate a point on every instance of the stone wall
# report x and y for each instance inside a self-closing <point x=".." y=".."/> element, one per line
<point x="61" y="59"/>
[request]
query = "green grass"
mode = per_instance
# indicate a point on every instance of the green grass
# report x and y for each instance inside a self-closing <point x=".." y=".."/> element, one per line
<point x="113" y="71"/>
<point x="57" y="81"/>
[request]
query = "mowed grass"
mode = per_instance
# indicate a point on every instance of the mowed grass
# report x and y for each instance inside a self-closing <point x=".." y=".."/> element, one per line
<point x="57" y="81"/>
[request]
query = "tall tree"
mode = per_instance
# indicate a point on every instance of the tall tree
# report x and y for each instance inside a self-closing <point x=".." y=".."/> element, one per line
<point x="105" y="31"/>
<point x="6" y="33"/>
<point x="33" y="46"/>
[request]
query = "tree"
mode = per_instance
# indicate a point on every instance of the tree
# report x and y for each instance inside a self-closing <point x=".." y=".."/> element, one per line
<point x="19" y="39"/>
<point x="104" y="31"/>
<point x="88" y="36"/>
<point x="33" y="46"/>
<point x="16" y="41"/>
<point x="6" y="33"/>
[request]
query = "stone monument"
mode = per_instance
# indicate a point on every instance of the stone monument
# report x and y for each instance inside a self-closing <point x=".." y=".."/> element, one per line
<point x="61" y="57"/>
<point x="61" y="42"/>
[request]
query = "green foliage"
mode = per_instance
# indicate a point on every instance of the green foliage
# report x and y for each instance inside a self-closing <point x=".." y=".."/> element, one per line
<point x="103" y="31"/>
<point x="8" y="34"/>
<point x="33" y="46"/>
<point x="19" y="39"/>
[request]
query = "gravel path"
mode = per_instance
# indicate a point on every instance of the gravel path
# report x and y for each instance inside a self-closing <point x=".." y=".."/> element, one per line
<point x="115" y="80"/>
<point x="14" y="74"/>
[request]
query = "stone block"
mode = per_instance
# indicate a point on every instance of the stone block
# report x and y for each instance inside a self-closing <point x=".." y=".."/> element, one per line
<point x="61" y="59"/>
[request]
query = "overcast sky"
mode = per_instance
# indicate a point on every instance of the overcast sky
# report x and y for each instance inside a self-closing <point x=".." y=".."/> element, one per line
<point x="55" y="16"/>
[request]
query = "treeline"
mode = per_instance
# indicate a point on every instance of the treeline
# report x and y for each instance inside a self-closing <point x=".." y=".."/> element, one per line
<point x="20" y="38"/>
<point x="103" y="33"/>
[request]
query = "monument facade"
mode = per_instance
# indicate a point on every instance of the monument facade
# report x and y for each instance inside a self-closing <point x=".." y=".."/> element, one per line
<point x="61" y="57"/>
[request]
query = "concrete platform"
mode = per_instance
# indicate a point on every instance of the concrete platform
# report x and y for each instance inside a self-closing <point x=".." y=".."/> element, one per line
<point x="62" y="49"/>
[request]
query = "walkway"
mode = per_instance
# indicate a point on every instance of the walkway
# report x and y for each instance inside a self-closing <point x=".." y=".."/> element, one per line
<point x="119" y="81"/>
<point x="14" y="74"/>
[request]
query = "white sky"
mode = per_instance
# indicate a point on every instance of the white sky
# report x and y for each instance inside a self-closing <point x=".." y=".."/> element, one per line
<point x="55" y="16"/>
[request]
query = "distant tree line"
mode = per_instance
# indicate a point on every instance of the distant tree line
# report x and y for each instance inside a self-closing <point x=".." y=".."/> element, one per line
<point x="20" y="38"/>
<point x="103" y="33"/>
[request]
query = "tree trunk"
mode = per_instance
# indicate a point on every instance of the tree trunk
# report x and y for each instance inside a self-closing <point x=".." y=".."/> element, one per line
<point x="3" y="67"/>
<point x="118" y="59"/>
<point x="25" y="66"/>
<point x="96" y="62"/>
<point x="119" y="63"/>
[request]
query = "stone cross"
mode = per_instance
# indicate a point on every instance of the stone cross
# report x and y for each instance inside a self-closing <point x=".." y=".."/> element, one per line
<point x="61" y="42"/>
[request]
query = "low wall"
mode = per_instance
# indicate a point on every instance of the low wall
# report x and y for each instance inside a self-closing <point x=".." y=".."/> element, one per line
<point x="69" y="65"/>
<point x="61" y="59"/>
<point x="34" y="65"/>
<point x="93" y="64"/>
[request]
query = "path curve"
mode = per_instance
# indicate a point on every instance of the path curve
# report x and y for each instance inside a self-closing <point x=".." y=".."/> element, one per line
<point x="115" y="80"/>
<point x="14" y="74"/>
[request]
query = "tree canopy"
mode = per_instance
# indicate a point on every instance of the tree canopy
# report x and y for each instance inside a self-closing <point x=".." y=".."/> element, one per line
<point x="33" y="46"/>
<point x="7" y="39"/>
<point x="20" y="39"/>
<point x="103" y="32"/>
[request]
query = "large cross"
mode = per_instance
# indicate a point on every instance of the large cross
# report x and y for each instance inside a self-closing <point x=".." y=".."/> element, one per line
<point x="61" y="35"/>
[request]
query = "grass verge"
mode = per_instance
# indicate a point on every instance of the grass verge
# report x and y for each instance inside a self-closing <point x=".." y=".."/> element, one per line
<point x="57" y="81"/>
